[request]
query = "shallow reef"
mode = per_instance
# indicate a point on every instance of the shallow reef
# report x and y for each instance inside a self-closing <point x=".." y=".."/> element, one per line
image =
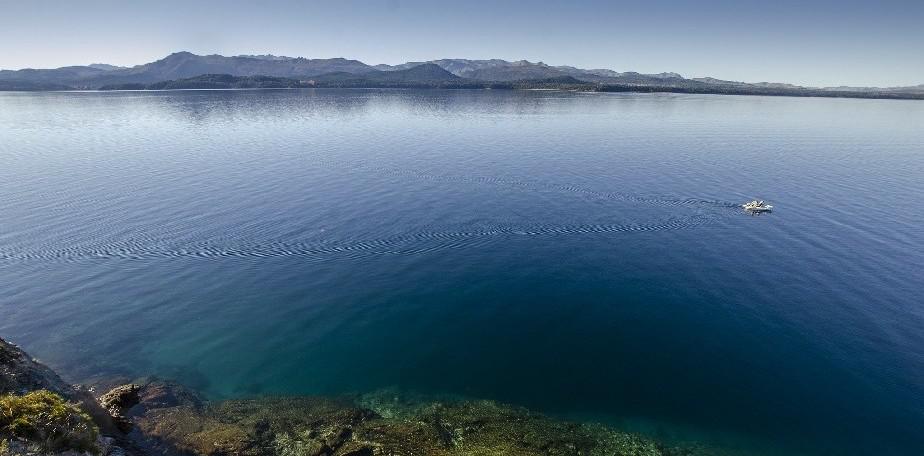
<point x="382" y="423"/>
<point x="151" y="416"/>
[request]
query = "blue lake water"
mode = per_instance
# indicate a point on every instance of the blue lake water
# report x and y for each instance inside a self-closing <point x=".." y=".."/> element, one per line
<point x="579" y="254"/>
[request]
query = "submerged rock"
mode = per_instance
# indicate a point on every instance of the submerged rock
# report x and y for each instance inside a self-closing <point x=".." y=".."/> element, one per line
<point x="117" y="401"/>
<point x="157" y="393"/>
<point x="120" y="398"/>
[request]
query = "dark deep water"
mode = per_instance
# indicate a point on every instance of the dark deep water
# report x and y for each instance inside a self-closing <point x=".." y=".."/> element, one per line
<point x="579" y="254"/>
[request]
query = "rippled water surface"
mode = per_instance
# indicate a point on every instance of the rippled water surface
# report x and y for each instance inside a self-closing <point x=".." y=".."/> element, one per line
<point x="580" y="254"/>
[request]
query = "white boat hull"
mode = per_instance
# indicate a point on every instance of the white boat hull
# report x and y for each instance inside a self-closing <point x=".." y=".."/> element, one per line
<point x="757" y="206"/>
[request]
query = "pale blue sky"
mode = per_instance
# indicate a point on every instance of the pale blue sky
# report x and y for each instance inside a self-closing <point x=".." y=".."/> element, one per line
<point x="813" y="42"/>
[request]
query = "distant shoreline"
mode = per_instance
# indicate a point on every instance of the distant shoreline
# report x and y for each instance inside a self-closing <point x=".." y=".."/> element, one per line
<point x="604" y="89"/>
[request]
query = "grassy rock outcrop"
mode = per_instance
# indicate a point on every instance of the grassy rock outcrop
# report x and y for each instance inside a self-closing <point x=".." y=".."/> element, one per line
<point x="33" y="393"/>
<point x="46" y="420"/>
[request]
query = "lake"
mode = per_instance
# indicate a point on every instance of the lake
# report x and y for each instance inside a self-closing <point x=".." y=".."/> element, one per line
<point x="583" y="255"/>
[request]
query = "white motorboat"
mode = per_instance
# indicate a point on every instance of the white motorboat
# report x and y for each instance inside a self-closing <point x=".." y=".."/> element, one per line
<point x="757" y="206"/>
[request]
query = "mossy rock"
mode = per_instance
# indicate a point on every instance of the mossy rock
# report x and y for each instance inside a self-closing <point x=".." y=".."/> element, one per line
<point x="46" y="419"/>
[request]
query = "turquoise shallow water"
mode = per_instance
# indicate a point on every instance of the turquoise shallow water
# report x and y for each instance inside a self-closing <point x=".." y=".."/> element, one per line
<point x="580" y="254"/>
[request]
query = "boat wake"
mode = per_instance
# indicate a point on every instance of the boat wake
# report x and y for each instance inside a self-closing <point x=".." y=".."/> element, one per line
<point x="404" y="244"/>
<point x="219" y="243"/>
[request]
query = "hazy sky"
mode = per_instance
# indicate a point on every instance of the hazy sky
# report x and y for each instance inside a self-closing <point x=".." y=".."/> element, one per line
<point x="813" y="42"/>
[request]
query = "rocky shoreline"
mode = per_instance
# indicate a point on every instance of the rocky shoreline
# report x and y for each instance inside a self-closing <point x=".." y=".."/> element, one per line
<point x="158" y="417"/>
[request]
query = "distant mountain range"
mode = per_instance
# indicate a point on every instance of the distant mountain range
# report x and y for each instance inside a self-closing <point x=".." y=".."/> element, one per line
<point x="187" y="70"/>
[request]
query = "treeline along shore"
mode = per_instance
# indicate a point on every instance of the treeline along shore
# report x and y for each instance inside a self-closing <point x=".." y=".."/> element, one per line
<point x="226" y="81"/>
